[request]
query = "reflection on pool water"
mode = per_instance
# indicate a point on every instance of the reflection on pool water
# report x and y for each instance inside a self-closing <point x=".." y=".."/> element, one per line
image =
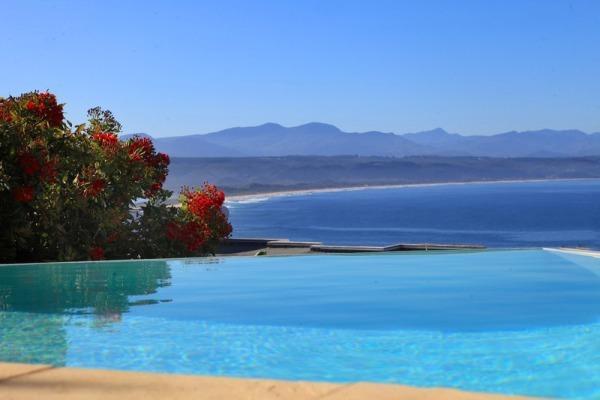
<point x="522" y="321"/>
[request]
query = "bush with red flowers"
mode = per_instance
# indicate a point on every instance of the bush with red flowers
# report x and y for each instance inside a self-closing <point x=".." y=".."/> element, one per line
<point x="202" y="220"/>
<point x="68" y="193"/>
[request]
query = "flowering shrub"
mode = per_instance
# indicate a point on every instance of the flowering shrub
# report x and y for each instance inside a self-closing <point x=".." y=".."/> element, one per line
<point x="67" y="193"/>
<point x="202" y="221"/>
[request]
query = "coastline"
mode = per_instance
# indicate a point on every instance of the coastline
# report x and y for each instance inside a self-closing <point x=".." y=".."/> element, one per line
<point x="303" y="192"/>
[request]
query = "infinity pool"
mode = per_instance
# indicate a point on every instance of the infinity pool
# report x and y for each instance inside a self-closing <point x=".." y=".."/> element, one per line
<point x="521" y="322"/>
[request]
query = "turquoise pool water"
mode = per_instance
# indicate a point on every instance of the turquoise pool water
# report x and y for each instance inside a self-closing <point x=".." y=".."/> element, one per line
<point x="523" y="321"/>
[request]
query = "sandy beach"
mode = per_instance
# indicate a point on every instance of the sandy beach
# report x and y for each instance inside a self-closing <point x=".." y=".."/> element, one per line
<point x="304" y="192"/>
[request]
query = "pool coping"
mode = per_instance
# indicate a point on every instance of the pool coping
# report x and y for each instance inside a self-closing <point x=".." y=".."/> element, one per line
<point x="308" y="255"/>
<point x="35" y="381"/>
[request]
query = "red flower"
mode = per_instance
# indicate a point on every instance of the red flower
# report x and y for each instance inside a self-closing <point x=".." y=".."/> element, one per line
<point x="5" y="111"/>
<point x="204" y="202"/>
<point x="163" y="159"/>
<point x="140" y="148"/>
<point x="97" y="253"/>
<point x="154" y="188"/>
<point x="95" y="188"/>
<point x="172" y="230"/>
<point x="191" y="234"/>
<point x="23" y="194"/>
<point x="160" y="160"/>
<point x="107" y="140"/>
<point x="29" y="163"/>
<point x="44" y="105"/>
<point x="205" y="219"/>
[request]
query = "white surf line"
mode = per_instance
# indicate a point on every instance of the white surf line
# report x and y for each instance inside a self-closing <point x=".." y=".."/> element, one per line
<point x="569" y="250"/>
<point x="300" y="192"/>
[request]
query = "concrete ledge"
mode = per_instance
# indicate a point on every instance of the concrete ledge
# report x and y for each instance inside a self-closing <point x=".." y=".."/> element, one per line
<point x="432" y="246"/>
<point x="36" y="382"/>
<point x="394" y="247"/>
<point x="244" y="246"/>
<point x="249" y="246"/>
<point x="252" y="241"/>
<point x="290" y="244"/>
<point x="347" y="249"/>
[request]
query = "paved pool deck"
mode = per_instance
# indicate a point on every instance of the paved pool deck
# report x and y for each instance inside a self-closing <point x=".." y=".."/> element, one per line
<point x="37" y="382"/>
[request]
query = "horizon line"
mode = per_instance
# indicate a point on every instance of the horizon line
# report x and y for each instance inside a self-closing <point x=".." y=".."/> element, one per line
<point x="438" y="129"/>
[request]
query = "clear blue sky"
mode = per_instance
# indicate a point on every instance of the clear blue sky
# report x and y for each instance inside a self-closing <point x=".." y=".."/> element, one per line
<point x="183" y="67"/>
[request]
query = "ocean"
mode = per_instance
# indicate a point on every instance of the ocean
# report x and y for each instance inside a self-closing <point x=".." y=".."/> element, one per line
<point x="503" y="214"/>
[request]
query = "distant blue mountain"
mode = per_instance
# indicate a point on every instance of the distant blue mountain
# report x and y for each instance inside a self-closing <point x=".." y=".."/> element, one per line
<point x="321" y="139"/>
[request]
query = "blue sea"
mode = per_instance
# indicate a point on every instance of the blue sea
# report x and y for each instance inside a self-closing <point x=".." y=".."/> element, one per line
<point x="505" y="214"/>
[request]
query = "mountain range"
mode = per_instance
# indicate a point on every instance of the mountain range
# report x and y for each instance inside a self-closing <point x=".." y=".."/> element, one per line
<point x="319" y="139"/>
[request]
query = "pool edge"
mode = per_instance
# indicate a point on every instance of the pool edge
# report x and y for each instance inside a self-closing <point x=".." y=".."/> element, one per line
<point x="30" y="381"/>
<point x="573" y="250"/>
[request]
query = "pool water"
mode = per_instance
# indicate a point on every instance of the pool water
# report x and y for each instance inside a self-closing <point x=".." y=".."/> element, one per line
<point x="518" y="322"/>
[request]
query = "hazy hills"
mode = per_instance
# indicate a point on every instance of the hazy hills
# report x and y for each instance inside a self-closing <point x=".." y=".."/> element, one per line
<point x="327" y="140"/>
<point x="272" y="157"/>
<point x="264" y="174"/>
